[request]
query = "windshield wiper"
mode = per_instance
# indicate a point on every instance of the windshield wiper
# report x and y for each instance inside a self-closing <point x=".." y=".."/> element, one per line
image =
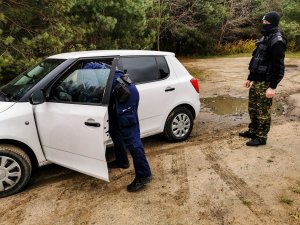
<point x="5" y="95"/>
<point x="9" y="98"/>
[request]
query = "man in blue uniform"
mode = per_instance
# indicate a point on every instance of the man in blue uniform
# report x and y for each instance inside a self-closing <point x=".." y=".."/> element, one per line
<point x="125" y="131"/>
<point x="124" y="127"/>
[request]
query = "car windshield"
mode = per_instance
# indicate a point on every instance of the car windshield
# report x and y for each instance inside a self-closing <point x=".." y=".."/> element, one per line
<point x="18" y="87"/>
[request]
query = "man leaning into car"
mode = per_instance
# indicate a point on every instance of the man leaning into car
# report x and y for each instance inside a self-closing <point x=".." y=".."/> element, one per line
<point x="124" y="128"/>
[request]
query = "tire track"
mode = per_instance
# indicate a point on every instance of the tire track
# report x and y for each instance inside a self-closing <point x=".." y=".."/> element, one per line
<point x="172" y="170"/>
<point x="242" y="190"/>
<point x="179" y="169"/>
<point x="238" y="185"/>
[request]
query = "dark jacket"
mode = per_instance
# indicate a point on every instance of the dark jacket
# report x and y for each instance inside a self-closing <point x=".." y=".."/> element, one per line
<point x="269" y="55"/>
<point x="126" y="112"/>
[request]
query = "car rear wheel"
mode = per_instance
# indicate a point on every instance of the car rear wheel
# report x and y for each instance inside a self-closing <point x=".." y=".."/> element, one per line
<point x="179" y="124"/>
<point x="15" y="170"/>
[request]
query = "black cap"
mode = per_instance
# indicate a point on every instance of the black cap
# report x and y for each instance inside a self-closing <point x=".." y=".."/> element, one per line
<point x="272" y="17"/>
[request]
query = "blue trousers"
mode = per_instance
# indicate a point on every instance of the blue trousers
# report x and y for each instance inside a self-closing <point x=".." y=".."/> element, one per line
<point x="129" y="139"/>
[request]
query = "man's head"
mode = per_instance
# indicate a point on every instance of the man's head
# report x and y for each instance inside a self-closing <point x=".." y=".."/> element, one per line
<point x="271" y="18"/>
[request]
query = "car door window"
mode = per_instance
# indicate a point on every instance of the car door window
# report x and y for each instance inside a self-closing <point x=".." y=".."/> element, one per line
<point x="141" y="69"/>
<point x="80" y="85"/>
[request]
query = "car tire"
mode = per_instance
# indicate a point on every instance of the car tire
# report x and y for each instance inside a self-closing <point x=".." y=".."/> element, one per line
<point x="15" y="170"/>
<point x="179" y="125"/>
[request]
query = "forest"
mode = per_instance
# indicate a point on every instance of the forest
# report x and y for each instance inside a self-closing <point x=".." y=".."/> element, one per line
<point x="31" y="30"/>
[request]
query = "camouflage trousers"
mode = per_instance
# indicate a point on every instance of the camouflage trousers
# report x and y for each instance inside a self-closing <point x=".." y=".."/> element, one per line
<point x="259" y="109"/>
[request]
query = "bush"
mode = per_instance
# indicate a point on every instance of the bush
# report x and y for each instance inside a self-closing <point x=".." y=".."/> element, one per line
<point x="236" y="47"/>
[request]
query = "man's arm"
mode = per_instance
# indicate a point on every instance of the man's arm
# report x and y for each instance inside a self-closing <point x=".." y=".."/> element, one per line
<point x="277" y="64"/>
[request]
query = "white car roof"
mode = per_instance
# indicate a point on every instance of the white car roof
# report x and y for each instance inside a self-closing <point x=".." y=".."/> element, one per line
<point x="95" y="53"/>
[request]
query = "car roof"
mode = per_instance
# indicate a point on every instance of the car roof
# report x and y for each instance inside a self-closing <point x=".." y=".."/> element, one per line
<point x="94" y="53"/>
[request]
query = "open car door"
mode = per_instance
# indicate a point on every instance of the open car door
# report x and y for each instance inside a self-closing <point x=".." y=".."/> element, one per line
<point x="73" y="123"/>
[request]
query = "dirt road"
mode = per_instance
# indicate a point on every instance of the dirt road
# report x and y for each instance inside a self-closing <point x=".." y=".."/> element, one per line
<point x="212" y="178"/>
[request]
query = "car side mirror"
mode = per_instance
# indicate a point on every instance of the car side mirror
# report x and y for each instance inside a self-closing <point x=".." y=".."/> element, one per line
<point x="37" y="97"/>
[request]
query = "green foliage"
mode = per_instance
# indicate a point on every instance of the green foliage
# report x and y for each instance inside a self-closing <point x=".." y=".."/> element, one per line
<point x="286" y="200"/>
<point x="191" y="27"/>
<point x="290" y="23"/>
<point x="32" y="30"/>
<point x="194" y="71"/>
<point x="247" y="202"/>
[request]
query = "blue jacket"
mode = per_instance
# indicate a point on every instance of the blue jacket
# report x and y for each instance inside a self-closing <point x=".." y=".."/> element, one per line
<point x="126" y="112"/>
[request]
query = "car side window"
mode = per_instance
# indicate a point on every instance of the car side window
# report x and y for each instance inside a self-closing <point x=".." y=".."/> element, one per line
<point x="162" y="67"/>
<point x="82" y="84"/>
<point x="141" y="69"/>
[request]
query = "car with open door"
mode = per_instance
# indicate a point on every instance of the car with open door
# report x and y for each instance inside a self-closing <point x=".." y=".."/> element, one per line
<point x="57" y="111"/>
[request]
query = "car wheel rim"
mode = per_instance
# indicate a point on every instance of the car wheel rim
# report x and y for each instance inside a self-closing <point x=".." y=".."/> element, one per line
<point x="10" y="173"/>
<point x="181" y="125"/>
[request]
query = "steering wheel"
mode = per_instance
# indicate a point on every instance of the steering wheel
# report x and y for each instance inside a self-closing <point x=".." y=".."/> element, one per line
<point x="61" y="93"/>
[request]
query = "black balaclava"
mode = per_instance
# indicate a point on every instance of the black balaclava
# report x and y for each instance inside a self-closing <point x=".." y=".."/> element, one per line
<point x="273" y="18"/>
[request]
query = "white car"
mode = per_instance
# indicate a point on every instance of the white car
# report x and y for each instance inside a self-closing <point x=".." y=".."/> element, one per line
<point x="56" y="112"/>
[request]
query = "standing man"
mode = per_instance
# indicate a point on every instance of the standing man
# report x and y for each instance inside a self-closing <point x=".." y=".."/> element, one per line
<point x="266" y="71"/>
<point x="124" y="130"/>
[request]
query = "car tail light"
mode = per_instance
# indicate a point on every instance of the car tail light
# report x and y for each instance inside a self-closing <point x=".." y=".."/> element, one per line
<point x="195" y="84"/>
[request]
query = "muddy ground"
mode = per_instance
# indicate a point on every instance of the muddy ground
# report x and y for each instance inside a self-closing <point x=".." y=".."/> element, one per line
<point x="212" y="178"/>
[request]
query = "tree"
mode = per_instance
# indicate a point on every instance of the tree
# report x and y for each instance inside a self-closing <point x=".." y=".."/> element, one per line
<point x="158" y="18"/>
<point x="32" y="30"/>
<point x="238" y="15"/>
<point x="191" y="26"/>
<point x="291" y="22"/>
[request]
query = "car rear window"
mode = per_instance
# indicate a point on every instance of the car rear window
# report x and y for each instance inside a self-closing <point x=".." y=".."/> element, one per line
<point x="162" y="67"/>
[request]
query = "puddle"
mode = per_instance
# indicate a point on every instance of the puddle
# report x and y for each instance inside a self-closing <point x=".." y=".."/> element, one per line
<point x="226" y="105"/>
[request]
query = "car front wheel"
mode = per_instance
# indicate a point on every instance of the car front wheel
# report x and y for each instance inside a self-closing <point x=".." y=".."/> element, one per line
<point x="179" y="124"/>
<point x="15" y="169"/>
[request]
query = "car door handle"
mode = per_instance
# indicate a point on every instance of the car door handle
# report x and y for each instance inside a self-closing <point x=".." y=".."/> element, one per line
<point x="92" y="123"/>
<point x="169" y="89"/>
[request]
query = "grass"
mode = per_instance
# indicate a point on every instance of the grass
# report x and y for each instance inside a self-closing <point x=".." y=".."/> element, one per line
<point x="293" y="55"/>
<point x="288" y="55"/>
<point x="286" y="200"/>
<point x="247" y="202"/>
<point x="195" y="72"/>
<point x="296" y="190"/>
<point x="215" y="56"/>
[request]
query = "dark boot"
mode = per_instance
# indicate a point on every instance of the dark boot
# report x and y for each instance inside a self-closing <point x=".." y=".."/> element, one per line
<point x="256" y="142"/>
<point x="247" y="134"/>
<point x="138" y="183"/>
<point x="115" y="164"/>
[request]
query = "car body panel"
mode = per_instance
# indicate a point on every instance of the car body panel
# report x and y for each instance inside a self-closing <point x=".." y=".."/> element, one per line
<point x="187" y="93"/>
<point x="67" y="141"/>
<point x="18" y="124"/>
<point x="103" y="53"/>
<point x="5" y="106"/>
<point x="152" y="98"/>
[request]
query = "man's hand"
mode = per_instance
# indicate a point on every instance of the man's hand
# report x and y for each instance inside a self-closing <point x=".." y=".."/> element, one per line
<point x="270" y="93"/>
<point x="247" y="84"/>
